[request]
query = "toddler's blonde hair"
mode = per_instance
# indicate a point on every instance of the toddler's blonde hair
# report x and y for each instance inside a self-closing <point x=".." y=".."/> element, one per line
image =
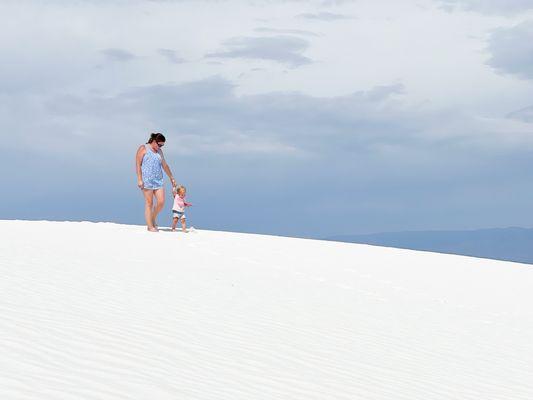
<point x="180" y="188"/>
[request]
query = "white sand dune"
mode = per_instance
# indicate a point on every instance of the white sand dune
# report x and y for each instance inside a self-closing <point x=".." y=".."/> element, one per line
<point x="107" y="311"/>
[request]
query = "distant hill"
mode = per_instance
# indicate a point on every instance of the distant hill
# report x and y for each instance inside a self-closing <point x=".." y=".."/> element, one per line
<point x="509" y="244"/>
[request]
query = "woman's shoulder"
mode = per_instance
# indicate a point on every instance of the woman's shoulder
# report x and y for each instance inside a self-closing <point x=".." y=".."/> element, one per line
<point x="142" y="148"/>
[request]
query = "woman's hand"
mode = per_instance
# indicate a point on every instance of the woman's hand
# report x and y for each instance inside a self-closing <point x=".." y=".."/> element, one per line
<point x="140" y="183"/>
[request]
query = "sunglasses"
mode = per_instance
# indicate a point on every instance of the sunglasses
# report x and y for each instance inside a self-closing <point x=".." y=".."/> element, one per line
<point x="160" y="144"/>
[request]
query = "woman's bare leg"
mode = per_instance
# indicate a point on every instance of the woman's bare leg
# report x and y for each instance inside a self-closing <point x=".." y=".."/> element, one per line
<point x="160" y="197"/>
<point x="148" y="208"/>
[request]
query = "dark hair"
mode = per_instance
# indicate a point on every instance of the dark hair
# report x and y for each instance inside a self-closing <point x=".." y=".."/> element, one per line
<point x="158" y="137"/>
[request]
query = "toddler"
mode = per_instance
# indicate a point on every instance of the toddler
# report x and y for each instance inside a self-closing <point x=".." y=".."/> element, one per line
<point x="178" y="209"/>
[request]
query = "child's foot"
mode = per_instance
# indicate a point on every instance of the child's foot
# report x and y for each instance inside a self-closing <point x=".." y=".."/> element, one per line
<point x="173" y="230"/>
<point x="184" y="230"/>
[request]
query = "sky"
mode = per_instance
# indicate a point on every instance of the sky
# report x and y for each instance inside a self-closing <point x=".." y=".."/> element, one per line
<point x="299" y="118"/>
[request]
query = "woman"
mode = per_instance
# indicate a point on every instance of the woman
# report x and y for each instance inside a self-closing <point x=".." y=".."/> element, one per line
<point x="150" y="163"/>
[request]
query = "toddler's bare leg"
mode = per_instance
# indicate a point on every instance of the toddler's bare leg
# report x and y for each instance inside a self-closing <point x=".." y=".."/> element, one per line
<point x="184" y="225"/>
<point x="174" y="223"/>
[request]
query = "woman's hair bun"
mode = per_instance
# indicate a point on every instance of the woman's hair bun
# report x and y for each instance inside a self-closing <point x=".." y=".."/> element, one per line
<point x="158" y="137"/>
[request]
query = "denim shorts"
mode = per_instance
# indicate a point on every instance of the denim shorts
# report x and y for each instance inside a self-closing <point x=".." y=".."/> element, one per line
<point x="178" y="214"/>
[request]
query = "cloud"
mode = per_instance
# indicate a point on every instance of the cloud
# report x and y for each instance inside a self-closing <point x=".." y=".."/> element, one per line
<point x="118" y="55"/>
<point x="283" y="49"/>
<point x="171" y="56"/>
<point x="286" y="31"/>
<point x="524" y="114"/>
<point x="323" y="16"/>
<point x="336" y="2"/>
<point x="489" y="6"/>
<point x="291" y="123"/>
<point x="212" y="119"/>
<point x="381" y="92"/>
<point x="511" y="50"/>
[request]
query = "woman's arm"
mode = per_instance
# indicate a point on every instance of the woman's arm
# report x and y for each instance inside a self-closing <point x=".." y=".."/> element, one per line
<point x="138" y="161"/>
<point x="167" y="169"/>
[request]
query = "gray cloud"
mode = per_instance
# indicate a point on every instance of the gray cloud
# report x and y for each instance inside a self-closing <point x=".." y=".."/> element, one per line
<point x="286" y="31"/>
<point x="511" y="50"/>
<point x="323" y="16"/>
<point x="171" y="56"/>
<point x="337" y="2"/>
<point x="212" y="119"/>
<point x="283" y="49"/>
<point x="372" y="123"/>
<point x="524" y="114"/>
<point x="384" y="91"/>
<point x="489" y="6"/>
<point x="118" y="55"/>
